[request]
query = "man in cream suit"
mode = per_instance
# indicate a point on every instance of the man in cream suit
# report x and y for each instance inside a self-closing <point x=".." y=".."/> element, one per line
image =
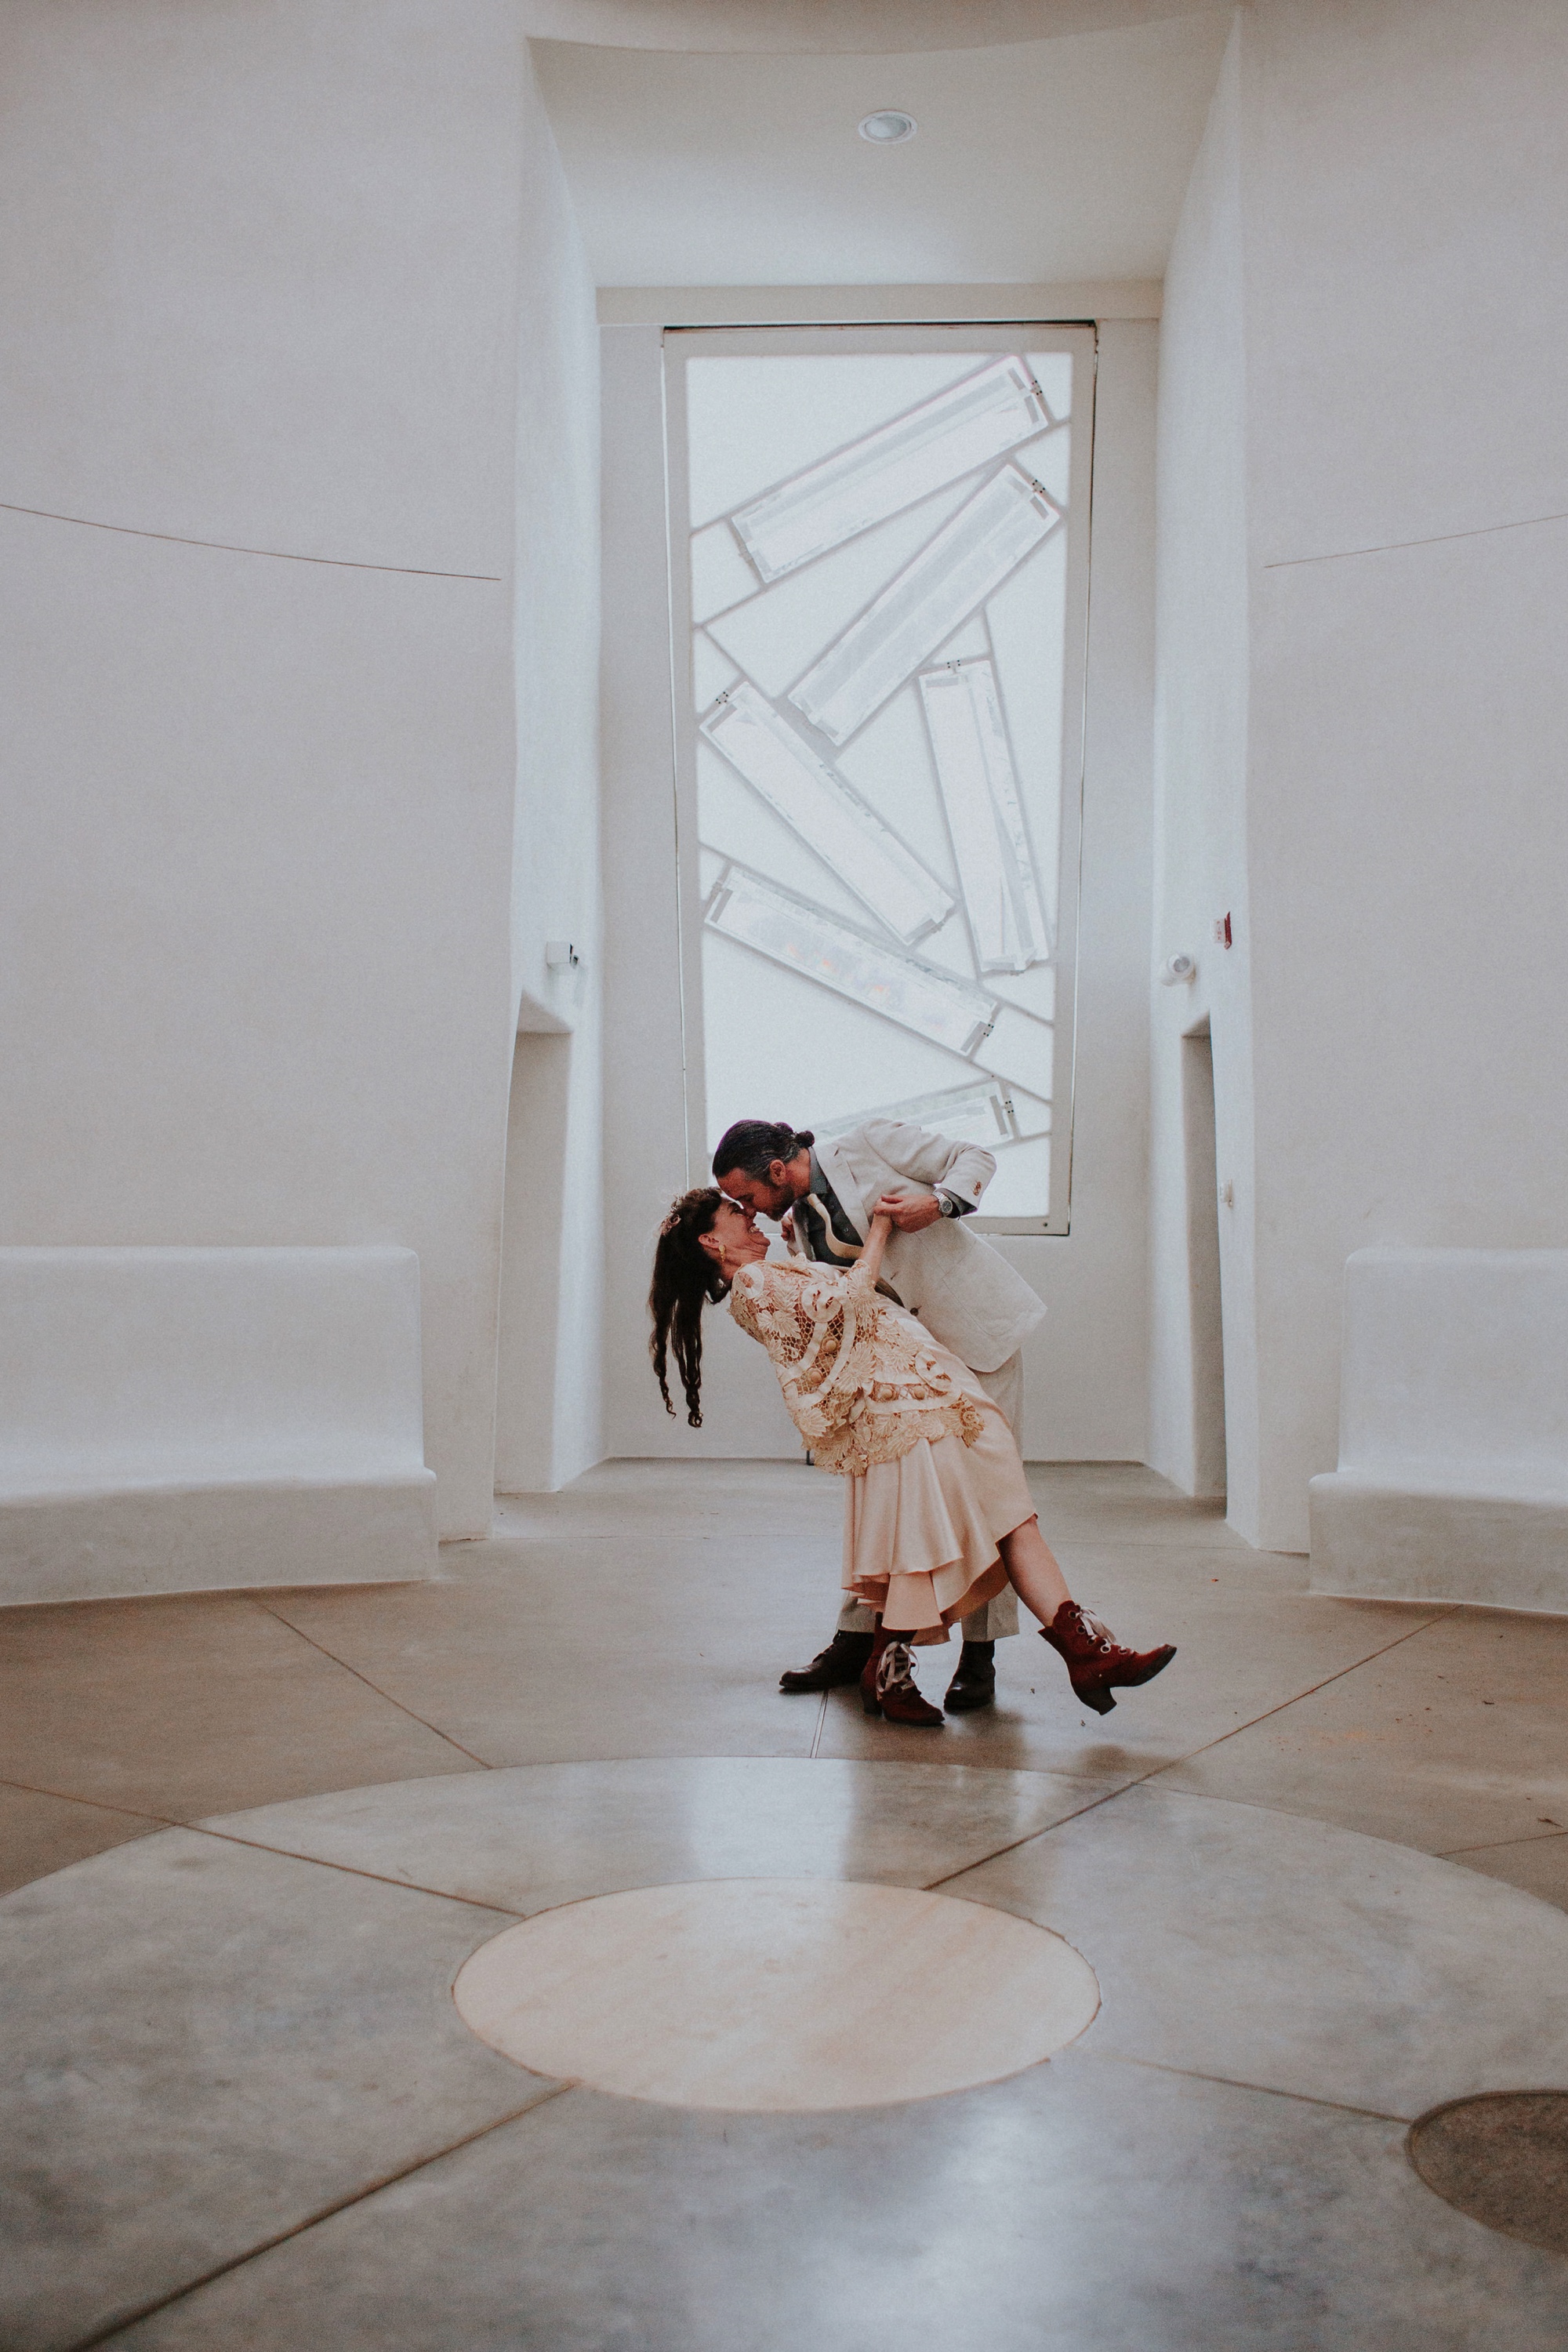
<point x="962" y="1290"/>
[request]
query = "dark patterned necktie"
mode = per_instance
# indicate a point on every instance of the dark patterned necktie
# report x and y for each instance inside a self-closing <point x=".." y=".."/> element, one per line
<point x="823" y="1228"/>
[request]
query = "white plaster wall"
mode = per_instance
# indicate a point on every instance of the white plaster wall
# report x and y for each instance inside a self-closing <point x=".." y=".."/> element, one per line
<point x="549" y="1400"/>
<point x="705" y="166"/>
<point x="1408" y="832"/>
<point x="1086" y="1377"/>
<point x="1200" y="803"/>
<point x="1084" y="1396"/>
<point x="1402" y="181"/>
<point x="530" y="1302"/>
<point x="263" y="289"/>
<point x="259" y="271"/>
<point x="645" y="1108"/>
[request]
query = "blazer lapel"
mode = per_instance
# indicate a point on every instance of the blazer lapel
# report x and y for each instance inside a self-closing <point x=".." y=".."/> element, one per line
<point x="835" y="1167"/>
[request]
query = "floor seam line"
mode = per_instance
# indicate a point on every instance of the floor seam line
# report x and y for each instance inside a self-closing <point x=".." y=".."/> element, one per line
<point x="414" y="1716"/>
<point x="1209" y="1797"/>
<point x="1174" y="1764"/>
<point x="102" y="1804"/>
<point x="1496" y="1845"/>
<point x="106" y="2334"/>
<point x="821" y="1726"/>
<point x="348" y="1869"/>
<point x="1237" y="2083"/>
<point x="1310" y="1691"/>
<point x="931" y="1885"/>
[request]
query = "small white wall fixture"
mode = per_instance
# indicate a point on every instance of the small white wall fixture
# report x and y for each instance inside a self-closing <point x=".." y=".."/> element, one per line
<point x="1452" y="1482"/>
<point x="188" y="1420"/>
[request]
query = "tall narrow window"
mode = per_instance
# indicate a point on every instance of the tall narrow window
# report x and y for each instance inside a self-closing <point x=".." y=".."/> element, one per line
<point x="879" y="542"/>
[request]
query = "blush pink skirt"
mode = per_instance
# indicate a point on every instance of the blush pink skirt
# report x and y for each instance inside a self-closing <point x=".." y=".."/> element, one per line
<point x="922" y="1534"/>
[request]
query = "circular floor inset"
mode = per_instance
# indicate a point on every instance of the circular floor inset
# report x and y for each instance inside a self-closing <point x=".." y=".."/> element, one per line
<point x="1503" y="2158"/>
<point x="772" y="1994"/>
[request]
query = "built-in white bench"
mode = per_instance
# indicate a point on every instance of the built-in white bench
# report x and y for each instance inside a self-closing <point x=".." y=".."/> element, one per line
<point x="184" y="1419"/>
<point x="1453" y="1477"/>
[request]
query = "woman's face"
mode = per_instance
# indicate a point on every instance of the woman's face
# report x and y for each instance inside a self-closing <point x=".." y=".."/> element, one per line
<point x="733" y="1236"/>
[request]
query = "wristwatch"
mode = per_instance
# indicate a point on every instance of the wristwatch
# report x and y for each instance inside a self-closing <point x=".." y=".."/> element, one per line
<point x="948" y="1205"/>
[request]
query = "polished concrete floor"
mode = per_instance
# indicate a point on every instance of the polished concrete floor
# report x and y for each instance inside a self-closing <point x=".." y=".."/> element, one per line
<point x="1319" y="1870"/>
<point x="749" y="1994"/>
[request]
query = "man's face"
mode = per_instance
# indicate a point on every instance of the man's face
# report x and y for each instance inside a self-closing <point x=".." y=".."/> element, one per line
<point x="762" y="1196"/>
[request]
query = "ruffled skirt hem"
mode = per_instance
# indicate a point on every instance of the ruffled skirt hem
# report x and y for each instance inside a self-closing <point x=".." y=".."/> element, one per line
<point x="921" y="1535"/>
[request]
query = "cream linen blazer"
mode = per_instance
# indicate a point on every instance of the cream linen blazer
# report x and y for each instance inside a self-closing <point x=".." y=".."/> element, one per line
<point x="962" y="1290"/>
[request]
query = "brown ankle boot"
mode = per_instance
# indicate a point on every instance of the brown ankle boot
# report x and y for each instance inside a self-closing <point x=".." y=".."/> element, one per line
<point x="893" y="1694"/>
<point x="869" y="1699"/>
<point x="1096" y="1660"/>
<point x="974" y="1683"/>
<point x="842" y="1662"/>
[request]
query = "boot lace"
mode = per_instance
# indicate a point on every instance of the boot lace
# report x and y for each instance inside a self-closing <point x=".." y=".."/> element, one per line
<point x="1101" y="1635"/>
<point x="895" y="1669"/>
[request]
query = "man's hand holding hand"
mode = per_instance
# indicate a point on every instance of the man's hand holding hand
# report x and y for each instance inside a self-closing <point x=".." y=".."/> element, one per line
<point x="911" y="1212"/>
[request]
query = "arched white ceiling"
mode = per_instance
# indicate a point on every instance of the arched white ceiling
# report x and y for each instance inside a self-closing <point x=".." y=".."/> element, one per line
<point x="824" y="27"/>
<point x="1054" y="160"/>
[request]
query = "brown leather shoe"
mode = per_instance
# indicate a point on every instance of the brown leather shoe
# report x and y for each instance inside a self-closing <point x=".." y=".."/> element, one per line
<point x="831" y="1669"/>
<point x="974" y="1683"/>
<point x="1096" y="1660"/>
<point x="887" y="1685"/>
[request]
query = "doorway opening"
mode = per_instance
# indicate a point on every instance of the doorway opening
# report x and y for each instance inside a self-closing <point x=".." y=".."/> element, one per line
<point x="1205" y="1318"/>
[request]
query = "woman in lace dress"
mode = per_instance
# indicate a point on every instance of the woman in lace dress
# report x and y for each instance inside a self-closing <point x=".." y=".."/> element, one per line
<point x="937" y="1512"/>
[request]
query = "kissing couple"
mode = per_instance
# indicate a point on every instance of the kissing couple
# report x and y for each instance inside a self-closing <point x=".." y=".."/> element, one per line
<point x="897" y="1337"/>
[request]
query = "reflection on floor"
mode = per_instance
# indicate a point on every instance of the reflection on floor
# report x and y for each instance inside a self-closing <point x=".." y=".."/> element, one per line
<point x="240" y="2037"/>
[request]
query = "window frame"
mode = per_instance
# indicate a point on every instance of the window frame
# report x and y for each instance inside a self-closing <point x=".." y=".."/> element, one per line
<point x="681" y="345"/>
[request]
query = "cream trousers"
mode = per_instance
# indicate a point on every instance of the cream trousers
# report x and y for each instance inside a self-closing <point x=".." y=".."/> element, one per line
<point x="999" y="1617"/>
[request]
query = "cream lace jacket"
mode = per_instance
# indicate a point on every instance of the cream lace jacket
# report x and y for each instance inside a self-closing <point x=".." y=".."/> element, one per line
<point x="861" y="1381"/>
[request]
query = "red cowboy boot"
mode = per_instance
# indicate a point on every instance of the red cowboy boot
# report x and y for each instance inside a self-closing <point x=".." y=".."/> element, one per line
<point x="888" y="1684"/>
<point x="1096" y="1661"/>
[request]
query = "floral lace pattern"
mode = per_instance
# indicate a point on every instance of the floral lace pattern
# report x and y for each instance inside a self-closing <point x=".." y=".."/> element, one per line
<point x="861" y="1381"/>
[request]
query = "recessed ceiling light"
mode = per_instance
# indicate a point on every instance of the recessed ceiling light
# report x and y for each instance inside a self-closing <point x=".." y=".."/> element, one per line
<point x="885" y="130"/>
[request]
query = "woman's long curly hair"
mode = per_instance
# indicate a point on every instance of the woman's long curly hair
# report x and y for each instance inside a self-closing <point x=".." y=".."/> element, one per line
<point x="685" y="1280"/>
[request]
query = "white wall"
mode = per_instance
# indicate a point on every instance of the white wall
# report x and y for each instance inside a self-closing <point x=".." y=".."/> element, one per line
<point x="530" y="1337"/>
<point x="263" y="289"/>
<point x="1058" y="158"/>
<point x="550" y="1418"/>
<point x="1408" y="834"/>
<point x="1087" y="1382"/>
<point x="645" y="1108"/>
<point x="1402" y="181"/>
<point x="1200" y="806"/>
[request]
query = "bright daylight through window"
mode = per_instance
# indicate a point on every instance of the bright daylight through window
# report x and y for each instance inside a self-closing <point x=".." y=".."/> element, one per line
<point x="882" y="533"/>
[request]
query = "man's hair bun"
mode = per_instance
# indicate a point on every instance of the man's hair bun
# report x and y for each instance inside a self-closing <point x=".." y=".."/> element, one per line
<point x="752" y="1144"/>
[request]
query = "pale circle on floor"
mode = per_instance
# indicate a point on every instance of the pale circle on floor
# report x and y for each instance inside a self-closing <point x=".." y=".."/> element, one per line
<point x="770" y="1994"/>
